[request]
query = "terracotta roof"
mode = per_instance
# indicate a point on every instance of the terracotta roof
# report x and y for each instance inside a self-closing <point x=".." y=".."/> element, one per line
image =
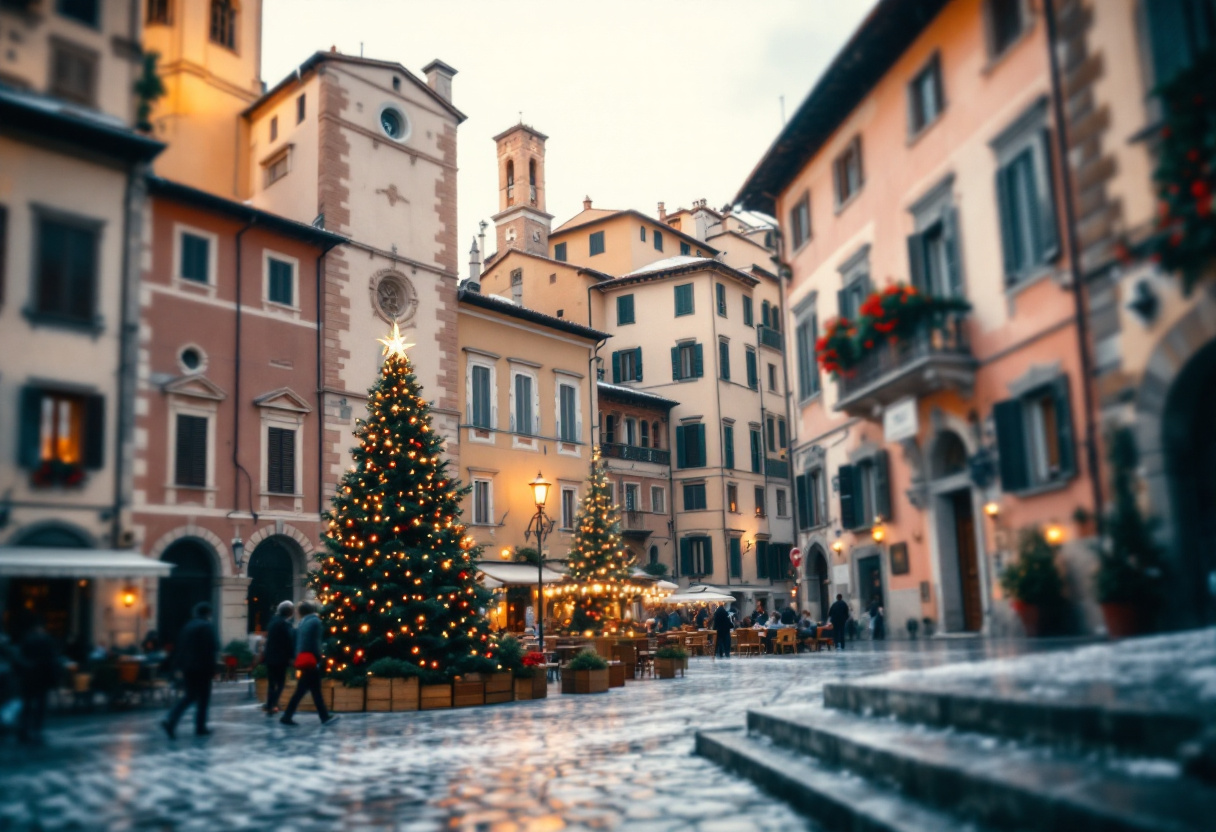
<point x="674" y="266"/>
<point x="62" y="123"/>
<point x="887" y="31"/>
<point x="593" y="215"/>
<point x="494" y="260"/>
<point x="506" y="307"/>
<point x="526" y="128"/>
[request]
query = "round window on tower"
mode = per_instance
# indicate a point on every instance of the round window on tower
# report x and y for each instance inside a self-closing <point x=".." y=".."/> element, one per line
<point x="393" y="296"/>
<point x="191" y="359"/>
<point x="394" y="123"/>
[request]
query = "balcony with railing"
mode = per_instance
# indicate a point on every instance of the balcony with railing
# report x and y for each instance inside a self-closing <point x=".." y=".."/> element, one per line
<point x="771" y="338"/>
<point x="633" y="453"/>
<point x="637" y="523"/>
<point x="935" y="357"/>
<point x="778" y="469"/>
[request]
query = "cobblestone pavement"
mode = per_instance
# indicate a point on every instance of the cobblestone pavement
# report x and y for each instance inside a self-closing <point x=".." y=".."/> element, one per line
<point x="617" y="760"/>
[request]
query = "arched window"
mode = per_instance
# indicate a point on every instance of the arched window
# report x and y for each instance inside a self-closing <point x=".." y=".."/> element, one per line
<point x="223" y="23"/>
<point x="510" y="182"/>
<point x="532" y="180"/>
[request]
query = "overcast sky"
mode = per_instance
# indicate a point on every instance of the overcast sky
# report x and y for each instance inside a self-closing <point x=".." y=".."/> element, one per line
<point x="665" y="100"/>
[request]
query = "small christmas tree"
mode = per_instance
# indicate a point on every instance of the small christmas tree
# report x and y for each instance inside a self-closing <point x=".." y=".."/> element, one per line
<point x="397" y="574"/>
<point x="598" y="562"/>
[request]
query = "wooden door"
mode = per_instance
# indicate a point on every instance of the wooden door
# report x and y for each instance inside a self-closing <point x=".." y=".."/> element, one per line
<point x="968" y="562"/>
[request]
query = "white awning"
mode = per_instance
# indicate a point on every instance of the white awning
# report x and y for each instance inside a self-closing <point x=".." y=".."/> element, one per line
<point x="696" y="598"/>
<point x="52" y="562"/>
<point x="516" y="574"/>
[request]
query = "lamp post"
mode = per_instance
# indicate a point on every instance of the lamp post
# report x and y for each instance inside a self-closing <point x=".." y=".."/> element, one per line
<point x="540" y="525"/>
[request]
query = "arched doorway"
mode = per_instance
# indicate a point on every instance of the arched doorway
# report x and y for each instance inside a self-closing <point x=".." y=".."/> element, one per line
<point x="962" y="597"/>
<point x="64" y="605"/>
<point x="819" y="579"/>
<point x="271" y="581"/>
<point x="191" y="582"/>
<point x="1190" y="467"/>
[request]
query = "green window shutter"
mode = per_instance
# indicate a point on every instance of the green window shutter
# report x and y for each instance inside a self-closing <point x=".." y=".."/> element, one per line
<point x="736" y="558"/>
<point x="597" y="243"/>
<point x="1167" y="26"/>
<point x="916" y="262"/>
<point x="781" y="437"/>
<point x="624" y="309"/>
<point x="698" y="361"/>
<point x="700" y="440"/>
<point x="721" y="294"/>
<point x="29" y="447"/>
<point x="764" y="313"/>
<point x="280" y="288"/>
<point x="707" y="556"/>
<point x="954" y="267"/>
<point x="802" y="489"/>
<point x="559" y="252"/>
<point x="616" y="367"/>
<point x="1068" y="453"/>
<point x="685" y="249"/>
<point x="658" y="240"/>
<point x="94" y="431"/>
<point x="882" y="485"/>
<point x="747" y="311"/>
<point x="762" y="561"/>
<point x="728" y="446"/>
<point x="1011" y="445"/>
<point x="757" y="451"/>
<point x="806" y="354"/>
<point x="724" y="360"/>
<point x="675" y="363"/>
<point x="190" y="459"/>
<point x="686" y="556"/>
<point x="848" y="502"/>
<point x="1049" y="232"/>
<point x="637" y="362"/>
<point x="681" y="461"/>
<point x="1011" y="246"/>
<point x="753" y="377"/>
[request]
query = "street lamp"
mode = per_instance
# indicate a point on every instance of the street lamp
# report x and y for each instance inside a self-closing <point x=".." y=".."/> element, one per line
<point x="540" y="525"/>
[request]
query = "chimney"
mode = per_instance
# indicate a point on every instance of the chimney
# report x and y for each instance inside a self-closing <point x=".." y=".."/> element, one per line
<point x="662" y="213"/>
<point x="439" y="78"/>
<point x="586" y="203"/>
<point x="473" y="284"/>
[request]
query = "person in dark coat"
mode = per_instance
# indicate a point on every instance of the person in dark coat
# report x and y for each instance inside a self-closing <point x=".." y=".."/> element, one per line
<point x="759" y="615"/>
<point x="838" y="614"/>
<point x="674" y="621"/>
<point x="722" y="629"/>
<point x="308" y="641"/>
<point x="197" y="647"/>
<point x="38" y="659"/>
<point x="878" y="623"/>
<point x="280" y="649"/>
<point x="702" y="617"/>
<point x="789" y="616"/>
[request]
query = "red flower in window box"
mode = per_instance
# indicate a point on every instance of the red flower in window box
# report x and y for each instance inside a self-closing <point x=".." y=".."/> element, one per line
<point x="53" y="472"/>
<point x="534" y="659"/>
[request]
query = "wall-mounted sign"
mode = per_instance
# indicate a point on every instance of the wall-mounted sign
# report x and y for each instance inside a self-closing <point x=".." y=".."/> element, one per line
<point x="899" y="421"/>
<point x="840" y="575"/>
<point x="899" y="559"/>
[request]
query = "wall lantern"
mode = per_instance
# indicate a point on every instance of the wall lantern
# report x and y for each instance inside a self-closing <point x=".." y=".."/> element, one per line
<point x="238" y="552"/>
<point x="838" y="546"/>
<point x="878" y="532"/>
<point x="1054" y="534"/>
<point x="992" y="508"/>
<point x="129" y="596"/>
<point x="505" y="554"/>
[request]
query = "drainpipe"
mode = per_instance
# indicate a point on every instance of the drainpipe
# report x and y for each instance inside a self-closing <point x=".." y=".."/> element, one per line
<point x="238" y="468"/>
<point x="783" y="269"/>
<point x="321" y="383"/>
<point x="713" y="352"/>
<point x="1074" y="259"/>
<point x="128" y="334"/>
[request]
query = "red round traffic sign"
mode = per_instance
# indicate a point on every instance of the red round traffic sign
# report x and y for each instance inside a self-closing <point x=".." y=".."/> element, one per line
<point x="796" y="557"/>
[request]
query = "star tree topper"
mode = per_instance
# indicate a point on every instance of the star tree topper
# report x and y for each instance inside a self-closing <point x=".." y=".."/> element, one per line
<point x="394" y="344"/>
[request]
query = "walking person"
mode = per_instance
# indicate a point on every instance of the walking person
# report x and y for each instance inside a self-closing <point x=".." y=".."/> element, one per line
<point x="38" y="658"/>
<point x="722" y="628"/>
<point x="308" y="662"/>
<point x="878" y="624"/>
<point x="280" y="649"/>
<point x="197" y="647"/>
<point x="838" y="614"/>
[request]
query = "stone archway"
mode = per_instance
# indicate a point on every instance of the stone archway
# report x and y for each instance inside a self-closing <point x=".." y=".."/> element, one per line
<point x="819" y="579"/>
<point x="1175" y="409"/>
<point x="956" y="534"/>
<point x="193" y="580"/>
<point x="272" y="572"/>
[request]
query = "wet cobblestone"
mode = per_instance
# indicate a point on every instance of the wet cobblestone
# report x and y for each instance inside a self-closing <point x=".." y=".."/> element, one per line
<point x="617" y="760"/>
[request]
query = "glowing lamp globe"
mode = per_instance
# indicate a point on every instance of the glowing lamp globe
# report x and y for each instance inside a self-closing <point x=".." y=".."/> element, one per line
<point x="540" y="490"/>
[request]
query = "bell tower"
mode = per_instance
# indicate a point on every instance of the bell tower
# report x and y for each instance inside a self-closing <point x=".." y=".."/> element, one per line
<point x="521" y="221"/>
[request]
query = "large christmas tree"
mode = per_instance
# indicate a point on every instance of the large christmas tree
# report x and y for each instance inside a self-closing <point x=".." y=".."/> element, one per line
<point x="397" y="574"/>
<point x="598" y="562"/>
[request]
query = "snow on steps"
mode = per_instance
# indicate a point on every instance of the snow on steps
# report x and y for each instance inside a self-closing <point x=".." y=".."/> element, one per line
<point x="1001" y="785"/>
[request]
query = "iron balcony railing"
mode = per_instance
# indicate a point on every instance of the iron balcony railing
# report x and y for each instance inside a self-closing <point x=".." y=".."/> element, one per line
<point x="635" y="454"/>
<point x="777" y="468"/>
<point x="634" y="521"/>
<point x="891" y="362"/>
<point x="770" y="337"/>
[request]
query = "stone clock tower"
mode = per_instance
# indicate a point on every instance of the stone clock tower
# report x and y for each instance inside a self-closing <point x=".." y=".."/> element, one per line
<point x="521" y="221"/>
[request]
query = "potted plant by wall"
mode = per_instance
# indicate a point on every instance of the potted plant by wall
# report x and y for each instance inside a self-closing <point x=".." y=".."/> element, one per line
<point x="1128" y="583"/>
<point x="587" y="672"/>
<point x="392" y="685"/>
<point x="349" y="694"/>
<point x="261" y="683"/>
<point x="667" y="660"/>
<point x="1033" y="584"/>
<point x="531" y="680"/>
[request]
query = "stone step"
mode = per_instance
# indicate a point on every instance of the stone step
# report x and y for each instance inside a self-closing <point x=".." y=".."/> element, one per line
<point x="1083" y="719"/>
<point x="998" y="783"/>
<point x="834" y="799"/>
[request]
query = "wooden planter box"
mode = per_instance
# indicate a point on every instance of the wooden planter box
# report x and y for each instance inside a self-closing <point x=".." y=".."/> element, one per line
<point x="435" y="697"/>
<point x="379" y="694"/>
<point x="261" y="689"/>
<point x="468" y="691"/>
<point x="666" y="668"/>
<point x="585" y="681"/>
<point x="327" y="695"/>
<point x="500" y="688"/>
<point x="348" y="700"/>
<point x="405" y="694"/>
<point x="523" y="690"/>
<point x="616" y="675"/>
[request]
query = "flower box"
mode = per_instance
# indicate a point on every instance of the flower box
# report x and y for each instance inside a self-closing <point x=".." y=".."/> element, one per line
<point x="468" y="691"/>
<point x="585" y="681"/>
<point x="379" y="694"/>
<point x="666" y="668"/>
<point x="499" y="688"/>
<point x="405" y="694"/>
<point x="435" y="697"/>
<point x="348" y="700"/>
<point x="616" y="675"/>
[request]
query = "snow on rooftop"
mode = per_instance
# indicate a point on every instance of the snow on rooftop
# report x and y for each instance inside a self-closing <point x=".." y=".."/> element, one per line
<point x="620" y="388"/>
<point x="679" y="261"/>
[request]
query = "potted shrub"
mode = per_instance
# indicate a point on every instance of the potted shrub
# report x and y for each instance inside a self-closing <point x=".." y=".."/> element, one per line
<point x="261" y="683"/>
<point x="667" y="660"/>
<point x="587" y="672"/>
<point x="1128" y="583"/>
<point x="1033" y="583"/>
<point x="392" y="685"/>
<point x="239" y="650"/>
<point x="349" y="695"/>
<point x="530" y="678"/>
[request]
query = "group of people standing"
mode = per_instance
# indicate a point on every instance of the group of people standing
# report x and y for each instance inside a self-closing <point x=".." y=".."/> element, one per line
<point x="286" y="646"/>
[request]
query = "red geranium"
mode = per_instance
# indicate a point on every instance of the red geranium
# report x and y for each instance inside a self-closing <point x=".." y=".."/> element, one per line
<point x="534" y="659"/>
